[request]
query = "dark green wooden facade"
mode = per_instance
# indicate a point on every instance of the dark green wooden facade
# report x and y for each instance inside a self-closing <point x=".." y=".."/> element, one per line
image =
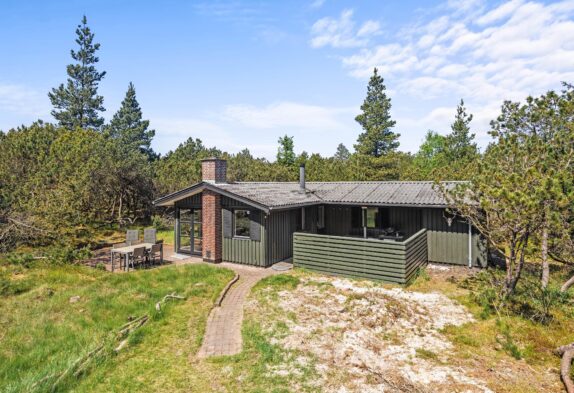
<point x="279" y="231"/>
<point x="384" y="260"/>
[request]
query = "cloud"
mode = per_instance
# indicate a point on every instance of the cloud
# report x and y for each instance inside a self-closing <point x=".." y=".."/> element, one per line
<point x="22" y="100"/>
<point x="288" y="115"/>
<point x="485" y="54"/>
<point x="233" y="127"/>
<point x="342" y="33"/>
<point x="519" y="46"/>
<point x="317" y="3"/>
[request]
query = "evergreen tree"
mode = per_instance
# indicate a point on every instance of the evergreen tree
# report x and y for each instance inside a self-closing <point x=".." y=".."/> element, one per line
<point x="460" y="145"/>
<point x="128" y="127"/>
<point x="285" y="152"/>
<point x="377" y="138"/>
<point x="77" y="104"/>
<point x="342" y="153"/>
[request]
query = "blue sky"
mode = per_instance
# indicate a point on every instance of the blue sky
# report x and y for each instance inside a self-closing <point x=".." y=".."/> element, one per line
<point x="239" y="74"/>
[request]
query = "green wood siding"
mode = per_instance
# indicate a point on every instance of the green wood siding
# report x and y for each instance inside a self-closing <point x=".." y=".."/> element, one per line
<point x="384" y="260"/>
<point x="245" y="250"/>
<point x="408" y="220"/>
<point x="450" y="244"/>
<point x="280" y="227"/>
<point x="190" y="202"/>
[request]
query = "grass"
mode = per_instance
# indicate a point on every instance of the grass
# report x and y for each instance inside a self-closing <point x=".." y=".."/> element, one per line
<point x="42" y="332"/>
<point x="512" y="351"/>
<point x="263" y="366"/>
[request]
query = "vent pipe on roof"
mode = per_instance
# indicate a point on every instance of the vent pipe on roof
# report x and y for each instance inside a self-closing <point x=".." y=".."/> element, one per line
<point x="302" y="178"/>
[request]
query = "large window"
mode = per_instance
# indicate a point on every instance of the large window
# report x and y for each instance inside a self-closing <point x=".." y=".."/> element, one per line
<point x="242" y="223"/>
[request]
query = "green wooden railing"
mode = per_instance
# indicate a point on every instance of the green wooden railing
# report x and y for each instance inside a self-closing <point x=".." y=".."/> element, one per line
<point x="384" y="260"/>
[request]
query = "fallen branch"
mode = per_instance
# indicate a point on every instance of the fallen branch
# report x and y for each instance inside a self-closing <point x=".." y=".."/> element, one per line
<point x="82" y="363"/>
<point x="165" y="298"/>
<point x="567" y="354"/>
<point x="567" y="284"/>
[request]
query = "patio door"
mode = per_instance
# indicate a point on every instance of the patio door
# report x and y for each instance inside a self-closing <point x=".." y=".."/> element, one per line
<point x="190" y="232"/>
<point x="197" y="232"/>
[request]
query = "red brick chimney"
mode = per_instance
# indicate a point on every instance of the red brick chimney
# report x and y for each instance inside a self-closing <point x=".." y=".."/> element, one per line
<point x="213" y="170"/>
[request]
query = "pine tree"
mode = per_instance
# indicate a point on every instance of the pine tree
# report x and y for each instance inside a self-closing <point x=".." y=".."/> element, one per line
<point x="128" y="127"/>
<point x="77" y="104"/>
<point x="377" y="138"/>
<point x="342" y="153"/>
<point x="460" y="145"/>
<point x="285" y="152"/>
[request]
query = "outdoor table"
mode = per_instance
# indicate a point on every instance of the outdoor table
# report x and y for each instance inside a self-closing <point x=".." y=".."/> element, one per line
<point x="126" y="251"/>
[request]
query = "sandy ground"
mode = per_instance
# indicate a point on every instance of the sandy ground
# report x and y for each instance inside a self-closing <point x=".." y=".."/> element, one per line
<point x="366" y="338"/>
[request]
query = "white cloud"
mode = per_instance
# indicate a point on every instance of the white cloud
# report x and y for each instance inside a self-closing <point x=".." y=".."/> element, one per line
<point x="317" y="4"/>
<point x="342" y="33"/>
<point x="288" y="115"/>
<point x="23" y="100"/>
<point x="482" y="53"/>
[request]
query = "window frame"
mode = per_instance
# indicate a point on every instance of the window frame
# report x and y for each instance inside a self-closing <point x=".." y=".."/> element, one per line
<point x="248" y="217"/>
<point x="375" y="217"/>
<point x="320" y="217"/>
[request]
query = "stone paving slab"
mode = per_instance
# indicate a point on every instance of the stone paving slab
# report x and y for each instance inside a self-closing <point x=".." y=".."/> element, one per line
<point x="223" y="331"/>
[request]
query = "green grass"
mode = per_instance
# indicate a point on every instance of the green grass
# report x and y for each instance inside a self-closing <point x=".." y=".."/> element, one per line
<point x="263" y="366"/>
<point x="166" y="235"/>
<point x="42" y="333"/>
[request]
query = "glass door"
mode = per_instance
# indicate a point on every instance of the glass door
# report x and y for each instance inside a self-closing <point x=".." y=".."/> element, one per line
<point x="184" y="231"/>
<point x="197" y="232"/>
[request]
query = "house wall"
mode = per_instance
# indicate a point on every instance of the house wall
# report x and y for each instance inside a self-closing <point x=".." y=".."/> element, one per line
<point x="450" y="244"/>
<point x="240" y="250"/>
<point x="280" y="227"/>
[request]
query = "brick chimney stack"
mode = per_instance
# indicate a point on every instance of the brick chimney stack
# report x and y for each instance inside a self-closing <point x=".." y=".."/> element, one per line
<point x="214" y="170"/>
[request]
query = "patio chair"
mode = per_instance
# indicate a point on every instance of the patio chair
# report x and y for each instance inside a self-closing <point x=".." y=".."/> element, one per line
<point x="155" y="254"/>
<point x="132" y="236"/>
<point x="138" y="257"/>
<point x="150" y="235"/>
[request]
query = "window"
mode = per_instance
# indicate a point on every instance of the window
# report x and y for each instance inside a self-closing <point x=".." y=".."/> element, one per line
<point x="242" y="223"/>
<point x="321" y="217"/>
<point x="372" y="213"/>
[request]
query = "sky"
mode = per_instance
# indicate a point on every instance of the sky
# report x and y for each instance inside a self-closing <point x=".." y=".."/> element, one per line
<point x="240" y="74"/>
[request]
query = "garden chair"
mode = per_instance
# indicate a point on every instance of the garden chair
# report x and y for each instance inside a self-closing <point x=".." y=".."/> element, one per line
<point x="155" y="254"/>
<point x="150" y="235"/>
<point x="138" y="257"/>
<point x="132" y="237"/>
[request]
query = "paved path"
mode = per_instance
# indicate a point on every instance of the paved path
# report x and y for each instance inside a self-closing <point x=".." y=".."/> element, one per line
<point x="223" y="331"/>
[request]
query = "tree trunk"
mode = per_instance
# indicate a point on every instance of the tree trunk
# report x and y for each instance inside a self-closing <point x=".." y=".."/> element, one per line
<point x="567" y="353"/>
<point x="511" y="286"/>
<point x="545" y="266"/>
<point x="567" y="284"/>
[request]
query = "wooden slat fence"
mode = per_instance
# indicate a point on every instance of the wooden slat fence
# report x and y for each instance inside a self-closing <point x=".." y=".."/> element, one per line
<point x="384" y="260"/>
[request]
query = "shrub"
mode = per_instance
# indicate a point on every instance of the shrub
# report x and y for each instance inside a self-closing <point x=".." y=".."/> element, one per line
<point x="160" y="223"/>
<point x="21" y="259"/>
<point x="67" y="254"/>
<point x="100" y="266"/>
<point x="506" y="340"/>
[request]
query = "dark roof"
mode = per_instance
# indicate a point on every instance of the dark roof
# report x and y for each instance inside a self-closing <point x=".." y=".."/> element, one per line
<point x="279" y="195"/>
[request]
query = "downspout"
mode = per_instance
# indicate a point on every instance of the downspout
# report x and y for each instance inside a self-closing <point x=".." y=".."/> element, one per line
<point x="364" y="219"/>
<point x="469" y="244"/>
